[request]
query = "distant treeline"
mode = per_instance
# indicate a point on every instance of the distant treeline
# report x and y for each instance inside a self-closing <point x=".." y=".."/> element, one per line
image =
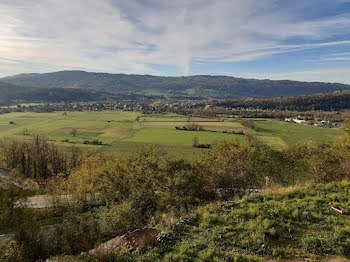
<point x="326" y="102"/>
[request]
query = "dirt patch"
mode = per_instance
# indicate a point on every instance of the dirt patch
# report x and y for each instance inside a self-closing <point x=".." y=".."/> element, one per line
<point x="44" y="201"/>
<point x="221" y="128"/>
<point x="203" y="119"/>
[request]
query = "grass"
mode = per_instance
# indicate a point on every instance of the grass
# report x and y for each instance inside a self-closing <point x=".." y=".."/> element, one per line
<point x="291" y="224"/>
<point x="292" y="133"/>
<point x="154" y="135"/>
<point x="124" y="132"/>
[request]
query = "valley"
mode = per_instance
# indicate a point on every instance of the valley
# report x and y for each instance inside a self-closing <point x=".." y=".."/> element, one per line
<point x="123" y="132"/>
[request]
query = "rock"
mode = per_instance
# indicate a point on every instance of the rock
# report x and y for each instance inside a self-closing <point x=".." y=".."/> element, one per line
<point x="6" y="236"/>
<point x="227" y="193"/>
<point x="138" y="238"/>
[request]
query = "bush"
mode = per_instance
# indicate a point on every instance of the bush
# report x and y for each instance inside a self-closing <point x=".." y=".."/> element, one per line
<point x="12" y="251"/>
<point x="92" y="142"/>
<point x="119" y="219"/>
<point x="190" y="127"/>
<point x="250" y="124"/>
<point x="318" y="245"/>
<point x="80" y="233"/>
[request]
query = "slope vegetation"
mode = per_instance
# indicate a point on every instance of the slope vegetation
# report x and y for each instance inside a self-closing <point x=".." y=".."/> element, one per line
<point x="287" y="224"/>
<point x="327" y="102"/>
<point x="199" y="86"/>
<point x="14" y="94"/>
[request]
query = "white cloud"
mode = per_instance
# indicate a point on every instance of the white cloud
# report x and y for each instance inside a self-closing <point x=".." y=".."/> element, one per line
<point x="128" y="35"/>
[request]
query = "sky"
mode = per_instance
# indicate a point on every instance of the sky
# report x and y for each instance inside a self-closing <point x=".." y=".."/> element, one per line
<point x="306" y="40"/>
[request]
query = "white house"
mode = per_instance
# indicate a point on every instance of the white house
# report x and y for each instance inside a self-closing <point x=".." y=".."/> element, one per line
<point x="300" y="121"/>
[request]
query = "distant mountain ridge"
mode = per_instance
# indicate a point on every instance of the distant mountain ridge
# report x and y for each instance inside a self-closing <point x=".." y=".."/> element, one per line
<point x="183" y="87"/>
<point x="10" y="94"/>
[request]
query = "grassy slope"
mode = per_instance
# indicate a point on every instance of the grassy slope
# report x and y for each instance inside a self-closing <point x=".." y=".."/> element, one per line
<point x="288" y="224"/>
<point x="121" y="133"/>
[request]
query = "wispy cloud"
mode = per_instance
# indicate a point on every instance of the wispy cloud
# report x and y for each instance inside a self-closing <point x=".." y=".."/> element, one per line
<point x="131" y="35"/>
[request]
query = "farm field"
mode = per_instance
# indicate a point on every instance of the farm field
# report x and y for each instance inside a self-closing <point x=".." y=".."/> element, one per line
<point x="122" y="132"/>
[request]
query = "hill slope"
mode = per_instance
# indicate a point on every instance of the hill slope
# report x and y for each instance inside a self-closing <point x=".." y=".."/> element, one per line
<point x="290" y="224"/>
<point x="326" y="102"/>
<point x="200" y="86"/>
<point x="296" y="224"/>
<point x="14" y="94"/>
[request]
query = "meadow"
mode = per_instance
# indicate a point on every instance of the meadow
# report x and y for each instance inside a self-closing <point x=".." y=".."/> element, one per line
<point x="121" y="132"/>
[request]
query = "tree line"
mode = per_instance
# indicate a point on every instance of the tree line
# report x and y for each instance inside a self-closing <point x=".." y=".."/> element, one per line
<point x="326" y="102"/>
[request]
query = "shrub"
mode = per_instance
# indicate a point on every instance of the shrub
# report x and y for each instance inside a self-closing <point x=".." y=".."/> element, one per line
<point x="80" y="233"/>
<point x="119" y="219"/>
<point x="12" y="251"/>
<point x="250" y="124"/>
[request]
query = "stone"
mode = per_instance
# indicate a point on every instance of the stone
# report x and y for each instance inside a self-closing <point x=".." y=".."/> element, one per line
<point x="131" y="241"/>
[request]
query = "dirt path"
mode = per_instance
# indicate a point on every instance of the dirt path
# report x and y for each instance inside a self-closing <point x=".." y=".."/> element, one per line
<point x="39" y="201"/>
<point x="44" y="201"/>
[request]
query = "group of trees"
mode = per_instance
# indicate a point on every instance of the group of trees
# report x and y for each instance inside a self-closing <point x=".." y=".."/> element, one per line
<point x="153" y="181"/>
<point x="190" y="127"/>
<point x="37" y="158"/>
<point x="225" y="165"/>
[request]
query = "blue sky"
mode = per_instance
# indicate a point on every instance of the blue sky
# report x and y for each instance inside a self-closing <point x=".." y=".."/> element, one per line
<point x="299" y="40"/>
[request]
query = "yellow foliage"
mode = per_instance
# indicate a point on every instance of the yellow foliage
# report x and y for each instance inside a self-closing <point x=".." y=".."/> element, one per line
<point x="82" y="182"/>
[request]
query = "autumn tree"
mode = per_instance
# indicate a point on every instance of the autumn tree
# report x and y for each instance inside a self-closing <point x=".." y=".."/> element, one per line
<point x="82" y="183"/>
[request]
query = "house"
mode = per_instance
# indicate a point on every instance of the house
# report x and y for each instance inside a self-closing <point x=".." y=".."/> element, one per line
<point x="300" y="121"/>
<point x="324" y="123"/>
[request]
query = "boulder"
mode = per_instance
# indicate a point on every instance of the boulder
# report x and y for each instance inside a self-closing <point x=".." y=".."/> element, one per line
<point x="131" y="241"/>
<point x="6" y="236"/>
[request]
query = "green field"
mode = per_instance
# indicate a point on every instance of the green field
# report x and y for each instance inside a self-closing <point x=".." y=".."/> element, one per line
<point x="125" y="132"/>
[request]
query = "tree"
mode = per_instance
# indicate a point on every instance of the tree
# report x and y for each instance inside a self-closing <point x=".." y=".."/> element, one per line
<point x="82" y="183"/>
<point x="195" y="142"/>
<point x="73" y="132"/>
<point x="25" y="132"/>
<point x="229" y="166"/>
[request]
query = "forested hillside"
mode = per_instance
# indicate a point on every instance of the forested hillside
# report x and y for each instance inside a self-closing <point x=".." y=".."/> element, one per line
<point x="14" y="94"/>
<point x="200" y="86"/>
<point x="327" y="102"/>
